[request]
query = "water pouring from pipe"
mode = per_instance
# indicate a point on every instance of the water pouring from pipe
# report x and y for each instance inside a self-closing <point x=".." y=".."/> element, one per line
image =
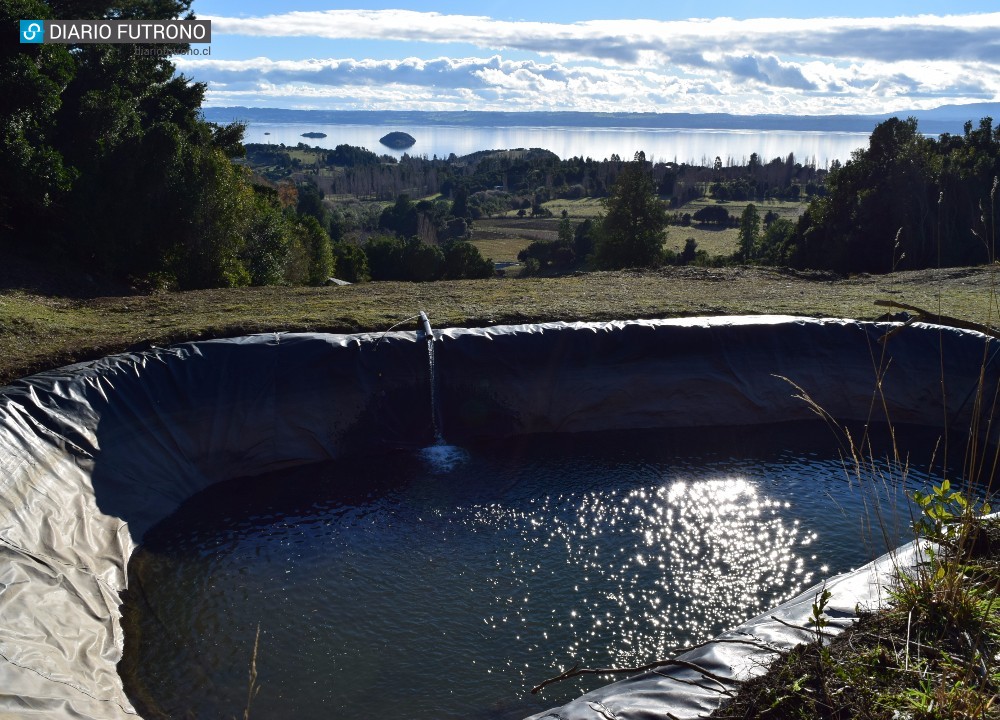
<point x="441" y="456"/>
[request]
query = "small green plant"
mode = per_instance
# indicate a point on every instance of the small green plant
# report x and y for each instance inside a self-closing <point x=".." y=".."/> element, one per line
<point x="947" y="516"/>
<point x="818" y="620"/>
<point x="944" y="591"/>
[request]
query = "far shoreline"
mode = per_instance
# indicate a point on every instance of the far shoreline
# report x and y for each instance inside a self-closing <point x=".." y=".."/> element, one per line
<point x="935" y="121"/>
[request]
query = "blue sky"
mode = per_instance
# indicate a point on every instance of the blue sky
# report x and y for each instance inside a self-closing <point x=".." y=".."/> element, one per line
<point x="780" y="57"/>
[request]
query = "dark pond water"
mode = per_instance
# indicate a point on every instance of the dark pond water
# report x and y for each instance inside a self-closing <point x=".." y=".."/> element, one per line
<point x="387" y="587"/>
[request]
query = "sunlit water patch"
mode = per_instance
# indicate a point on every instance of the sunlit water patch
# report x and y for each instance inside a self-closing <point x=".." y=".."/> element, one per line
<point x="444" y="584"/>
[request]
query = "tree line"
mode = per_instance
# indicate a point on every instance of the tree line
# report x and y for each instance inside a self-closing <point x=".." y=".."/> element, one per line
<point x="107" y="168"/>
<point x="415" y="241"/>
<point x="905" y="202"/>
<point x="529" y="177"/>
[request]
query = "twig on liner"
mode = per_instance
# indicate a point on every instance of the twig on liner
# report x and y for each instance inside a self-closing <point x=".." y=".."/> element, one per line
<point x="576" y="671"/>
<point x="939" y="319"/>
<point x="721" y="689"/>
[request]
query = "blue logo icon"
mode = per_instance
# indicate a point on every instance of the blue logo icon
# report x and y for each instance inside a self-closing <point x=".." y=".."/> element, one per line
<point x="32" y="31"/>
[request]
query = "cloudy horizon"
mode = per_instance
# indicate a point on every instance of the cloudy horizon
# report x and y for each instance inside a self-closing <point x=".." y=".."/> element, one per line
<point x="407" y="59"/>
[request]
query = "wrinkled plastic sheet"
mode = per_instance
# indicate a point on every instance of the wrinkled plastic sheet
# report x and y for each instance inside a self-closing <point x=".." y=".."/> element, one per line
<point x="93" y="455"/>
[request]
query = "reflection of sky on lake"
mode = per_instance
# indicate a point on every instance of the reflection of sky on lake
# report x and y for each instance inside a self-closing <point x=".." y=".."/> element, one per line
<point x="680" y="145"/>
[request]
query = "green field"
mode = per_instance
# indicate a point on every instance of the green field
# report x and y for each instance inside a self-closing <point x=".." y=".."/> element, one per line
<point x="582" y="208"/>
<point x="790" y="210"/>
<point x="714" y="241"/>
<point x="501" y="239"/>
<point x="307" y="157"/>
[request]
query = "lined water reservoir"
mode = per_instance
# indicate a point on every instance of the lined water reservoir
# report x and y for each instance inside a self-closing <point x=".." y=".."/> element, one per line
<point x="391" y="587"/>
<point x="377" y="578"/>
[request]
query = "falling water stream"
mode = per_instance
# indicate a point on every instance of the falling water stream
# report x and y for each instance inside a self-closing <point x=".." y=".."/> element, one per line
<point x="441" y="457"/>
<point x="435" y="409"/>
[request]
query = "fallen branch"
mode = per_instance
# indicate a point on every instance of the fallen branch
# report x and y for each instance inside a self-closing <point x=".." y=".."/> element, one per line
<point x="939" y="319"/>
<point x="576" y="671"/>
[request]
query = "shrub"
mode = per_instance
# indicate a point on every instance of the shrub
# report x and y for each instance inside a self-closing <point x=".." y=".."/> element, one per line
<point x="385" y="258"/>
<point x="712" y="214"/>
<point x="352" y="263"/>
<point x="463" y="260"/>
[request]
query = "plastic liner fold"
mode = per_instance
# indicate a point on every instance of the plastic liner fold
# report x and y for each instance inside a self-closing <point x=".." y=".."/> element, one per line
<point x="93" y="455"/>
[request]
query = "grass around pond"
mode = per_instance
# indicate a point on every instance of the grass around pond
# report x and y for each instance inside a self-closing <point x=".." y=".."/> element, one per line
<point x="39" y="332"/>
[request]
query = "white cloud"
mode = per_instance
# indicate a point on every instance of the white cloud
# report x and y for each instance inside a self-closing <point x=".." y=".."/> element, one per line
<point x="740" y="84"/>
<point x="954" y="37"/>
<point x="806" y="66"/>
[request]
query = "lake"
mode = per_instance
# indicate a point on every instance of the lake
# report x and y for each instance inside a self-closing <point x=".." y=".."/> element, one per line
<point x="661" y="144"/>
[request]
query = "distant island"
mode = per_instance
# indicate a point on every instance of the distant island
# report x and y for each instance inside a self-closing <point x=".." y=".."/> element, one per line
<point x="398" y="140"/>
<point x="314" y="135"/>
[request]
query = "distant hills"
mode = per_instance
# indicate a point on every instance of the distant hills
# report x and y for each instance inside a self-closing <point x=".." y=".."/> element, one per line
<point x="947" y="118"/>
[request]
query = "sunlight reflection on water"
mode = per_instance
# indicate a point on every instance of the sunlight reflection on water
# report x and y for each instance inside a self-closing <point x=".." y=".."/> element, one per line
<point x="660" y="566"/>
<point x="492" y="568"/>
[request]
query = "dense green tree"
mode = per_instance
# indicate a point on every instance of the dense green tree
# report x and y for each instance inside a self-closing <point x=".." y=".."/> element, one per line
<point x="400" y="218"/>
<point x="689" y="253"/>
<point x="422" y="262"/>
<point x="583" y="239"/>
<point x="266" y="241"/>
<point x="968" y="208"/>
<point x="33" y="175"/>
<point x="544" y="256"/>
<point x="310" y="202"/>
<point x="349" y="156"/>
<point x="631" y="230"/>
<point x="565" y="231"/>
<point x="712" y="214"/>
<point x="776" y="245"/>
<point x="880" y="206"/>
<point x="321" y="264"/>
<point x="463" y="260"/>
<point x="208" y="233"/>
<point x="749" y="234"/>
<point x="351" y="262"/>
<point x="460" y="207"/>
<point x="107" y="167"/>
<point x="385" y="258"/>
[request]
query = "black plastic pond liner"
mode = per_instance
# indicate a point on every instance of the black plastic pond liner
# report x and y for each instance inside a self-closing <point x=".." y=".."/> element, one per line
<point x="93" y="455"/>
